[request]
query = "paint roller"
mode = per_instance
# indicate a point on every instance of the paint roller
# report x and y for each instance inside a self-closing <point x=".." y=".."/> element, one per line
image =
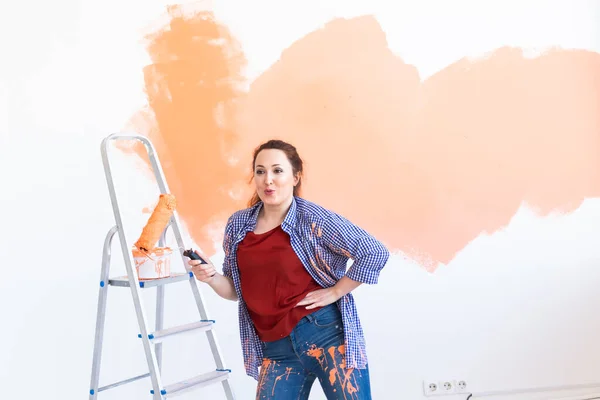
<point x="157" y="223"/>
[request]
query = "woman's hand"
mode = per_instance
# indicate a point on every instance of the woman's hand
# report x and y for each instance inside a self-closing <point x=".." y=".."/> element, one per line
<point x="320" y="298"/>
<point x="203" y="272"/>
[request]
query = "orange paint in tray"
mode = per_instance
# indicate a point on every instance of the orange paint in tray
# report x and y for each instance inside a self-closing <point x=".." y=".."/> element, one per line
<point x="153" y="262"/>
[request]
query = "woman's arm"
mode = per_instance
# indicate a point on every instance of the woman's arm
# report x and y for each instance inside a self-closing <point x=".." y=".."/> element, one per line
<point x="369" y="255"/>
<point x="223" y="286"/>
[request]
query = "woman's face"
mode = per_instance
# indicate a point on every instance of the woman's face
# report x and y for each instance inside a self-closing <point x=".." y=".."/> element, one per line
<point x="274" y="177"/>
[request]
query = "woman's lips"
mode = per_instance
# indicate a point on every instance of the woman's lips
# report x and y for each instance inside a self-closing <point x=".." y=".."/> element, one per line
<point x="269" y="191"/>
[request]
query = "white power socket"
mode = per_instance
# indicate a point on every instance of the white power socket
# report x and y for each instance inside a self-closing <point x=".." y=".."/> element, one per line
<point x="430" y="388"/>
<point x="444" y="387"/>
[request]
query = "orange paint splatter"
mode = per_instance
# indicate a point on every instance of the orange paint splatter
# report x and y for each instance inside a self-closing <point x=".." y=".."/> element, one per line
<point x="317" y="267"/>
<point x="322" y="262"/>
<point x="332" y="376"/>
<point x="159" y="260"/>
<point x="318" y="353"/>
<point x="266" y="368"/>
<point x="460" y="151"/>
<point x="315" y="351"/>
<point x="287" y="373"/>
<point x="340" y="369"/>
<point x="267" y="363"/>
<point x="345" y="253"/>
<point x="339" y="376"/>
<point x="351" y="388"/>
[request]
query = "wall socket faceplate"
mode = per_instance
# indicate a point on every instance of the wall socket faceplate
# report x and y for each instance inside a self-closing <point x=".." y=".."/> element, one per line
<point x="444" y="387"/>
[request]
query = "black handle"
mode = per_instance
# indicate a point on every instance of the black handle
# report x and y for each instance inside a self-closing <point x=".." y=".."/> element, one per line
<point x="194" y="256"/>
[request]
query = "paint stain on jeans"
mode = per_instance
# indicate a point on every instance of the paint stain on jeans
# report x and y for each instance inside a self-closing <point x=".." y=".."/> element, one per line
<point x="339" y="376"/>
<point x="267" y="370"/>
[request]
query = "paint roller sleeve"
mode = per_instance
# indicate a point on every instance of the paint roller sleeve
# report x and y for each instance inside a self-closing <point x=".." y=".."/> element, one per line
<point x="156" y="223"/>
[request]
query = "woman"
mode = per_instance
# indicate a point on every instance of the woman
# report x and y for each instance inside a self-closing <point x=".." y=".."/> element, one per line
<point x="285" y="261"/>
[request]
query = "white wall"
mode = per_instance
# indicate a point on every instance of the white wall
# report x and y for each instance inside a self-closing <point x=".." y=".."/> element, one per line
<point x="513" y="310"/>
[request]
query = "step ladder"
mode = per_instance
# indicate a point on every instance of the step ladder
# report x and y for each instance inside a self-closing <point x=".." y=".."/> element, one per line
<point x="152" y="340"/>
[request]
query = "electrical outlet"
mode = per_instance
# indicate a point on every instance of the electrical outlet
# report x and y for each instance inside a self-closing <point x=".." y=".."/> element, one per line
<point x="445" y="387"/>
<point x="430" y="388"/>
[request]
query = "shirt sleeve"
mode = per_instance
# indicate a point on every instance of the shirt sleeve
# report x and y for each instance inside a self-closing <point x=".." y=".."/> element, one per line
<point x="227" y="248"/>
<point x="368" y="254"/>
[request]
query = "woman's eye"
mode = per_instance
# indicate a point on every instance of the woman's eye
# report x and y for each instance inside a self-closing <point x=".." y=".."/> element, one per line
<point x="279" y="171"/>
<point x="259" y="172"/>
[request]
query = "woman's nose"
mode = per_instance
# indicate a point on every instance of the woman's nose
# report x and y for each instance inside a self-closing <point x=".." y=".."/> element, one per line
<point x="268" y="178"/>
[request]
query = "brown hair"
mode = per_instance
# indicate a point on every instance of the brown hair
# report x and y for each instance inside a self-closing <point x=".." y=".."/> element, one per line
<point x="292" y="156"/>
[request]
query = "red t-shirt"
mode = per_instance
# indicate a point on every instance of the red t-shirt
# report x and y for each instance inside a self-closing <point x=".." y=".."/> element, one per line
<point x="273" y="280"/>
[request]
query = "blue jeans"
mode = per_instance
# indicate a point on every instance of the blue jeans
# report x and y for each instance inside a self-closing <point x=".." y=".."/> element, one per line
<point x="314" y="349"/>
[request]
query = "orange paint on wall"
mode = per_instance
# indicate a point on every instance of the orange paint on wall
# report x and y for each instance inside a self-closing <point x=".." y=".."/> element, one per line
<point x="195" y="75"/>
<point x="425" y="166"/>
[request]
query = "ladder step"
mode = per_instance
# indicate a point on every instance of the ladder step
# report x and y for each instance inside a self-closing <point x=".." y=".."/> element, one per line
<point x="159" y="336"/>
<point x="123" y="281"/>
<point x="175" y="389"/>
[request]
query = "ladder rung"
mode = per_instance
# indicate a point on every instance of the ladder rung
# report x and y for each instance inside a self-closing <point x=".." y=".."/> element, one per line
<point x="159" y="336"/>
<point x="123" y="281"/>
<point x="187" y="385"/>
<point x="112" y="385"/>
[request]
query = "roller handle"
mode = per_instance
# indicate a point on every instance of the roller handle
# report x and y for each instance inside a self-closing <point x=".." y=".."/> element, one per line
<point x="191" y="254"/>
<point x="194" y="256"/>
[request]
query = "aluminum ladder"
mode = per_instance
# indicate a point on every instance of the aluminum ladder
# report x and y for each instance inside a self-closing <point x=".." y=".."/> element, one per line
<point x="152" y="340"/>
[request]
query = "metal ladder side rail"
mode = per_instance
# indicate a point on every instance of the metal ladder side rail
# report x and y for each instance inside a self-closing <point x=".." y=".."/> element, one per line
<point x="160" y="306"/>
<point x="101" y="315"/>
<point x="151" y="359"/>
<point x="198" y="297"/>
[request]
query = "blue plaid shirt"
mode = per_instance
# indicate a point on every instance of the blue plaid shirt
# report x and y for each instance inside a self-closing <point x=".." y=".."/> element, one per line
<point x="323" y="241"/>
